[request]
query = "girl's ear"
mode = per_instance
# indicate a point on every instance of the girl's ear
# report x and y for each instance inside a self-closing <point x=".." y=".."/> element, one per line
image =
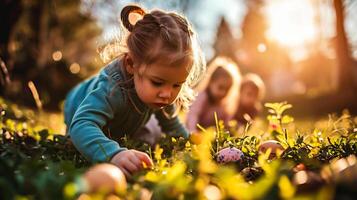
<point x="129" y="64"/>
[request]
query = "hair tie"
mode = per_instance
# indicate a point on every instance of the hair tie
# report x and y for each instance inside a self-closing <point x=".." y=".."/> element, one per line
<point x="134" y="17"/>
<point x="130" y="15"/>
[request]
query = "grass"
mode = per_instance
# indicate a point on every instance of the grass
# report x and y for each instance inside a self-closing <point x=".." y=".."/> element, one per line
<point x="38" y="162"/>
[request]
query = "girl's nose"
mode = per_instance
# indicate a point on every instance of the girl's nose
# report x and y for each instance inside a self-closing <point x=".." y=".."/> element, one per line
<point x="165" y="93"/>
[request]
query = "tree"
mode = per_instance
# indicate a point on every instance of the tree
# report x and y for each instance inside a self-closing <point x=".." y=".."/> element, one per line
<point x="255" y="52"/>
<point x="41" y="29"/>
<point x="343" y="52"/>
<point x="345" y="96"/>
<point x="224" y="44"/>
<point x="10" y="11"/>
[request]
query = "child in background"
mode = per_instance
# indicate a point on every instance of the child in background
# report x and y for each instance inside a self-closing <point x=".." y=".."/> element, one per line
<point x="252" y="92"/>
<point x="217" y="93"/>
<point x="154" y="75"/>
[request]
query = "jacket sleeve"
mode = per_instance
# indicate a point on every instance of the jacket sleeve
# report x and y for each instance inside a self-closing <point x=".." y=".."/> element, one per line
<point x="86" y="129"/>
<point x="171" y="125"/>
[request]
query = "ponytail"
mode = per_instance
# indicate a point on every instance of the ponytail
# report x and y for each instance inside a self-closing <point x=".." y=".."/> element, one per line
<point x="126" y="11"/>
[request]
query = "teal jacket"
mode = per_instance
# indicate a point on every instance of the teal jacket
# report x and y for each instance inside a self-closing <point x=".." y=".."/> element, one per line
<point x="104" y="108"/>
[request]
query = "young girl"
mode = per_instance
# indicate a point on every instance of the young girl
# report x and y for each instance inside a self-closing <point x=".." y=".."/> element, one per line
<point x="153" y="76"/>
<point x="251" y="94"/>
<point x="217" y="93"/>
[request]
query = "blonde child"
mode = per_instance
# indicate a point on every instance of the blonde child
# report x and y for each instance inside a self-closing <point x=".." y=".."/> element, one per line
<point x="153" y="75"/>
<point x="251" y="95"/>
<point x="217" y="94"/>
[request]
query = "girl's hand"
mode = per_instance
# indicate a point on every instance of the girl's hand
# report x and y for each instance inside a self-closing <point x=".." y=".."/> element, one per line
<point x="131" y="161"/>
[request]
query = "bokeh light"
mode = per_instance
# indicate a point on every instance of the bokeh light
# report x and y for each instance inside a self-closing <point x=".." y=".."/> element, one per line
<point x="57" y="55"/>
<point x="212" y="192"/>
<point x="261" y="47"/>
<point x="75" y="68"/>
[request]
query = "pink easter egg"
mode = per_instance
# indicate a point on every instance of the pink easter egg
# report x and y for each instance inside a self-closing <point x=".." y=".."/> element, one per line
<point x="273" y="145"/>
<point x="228" y="154"/>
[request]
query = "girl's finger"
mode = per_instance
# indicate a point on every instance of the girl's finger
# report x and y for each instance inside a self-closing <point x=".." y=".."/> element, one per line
<point x="136" y="161"/>
<point x="144" y="158"/>
<point x="126" y="172"/>
<point x="131" y="167"/>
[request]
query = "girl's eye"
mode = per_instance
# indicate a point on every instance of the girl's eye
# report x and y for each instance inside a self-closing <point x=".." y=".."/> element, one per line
<point x="177" y="85"/>
<point x="156" y="83"/>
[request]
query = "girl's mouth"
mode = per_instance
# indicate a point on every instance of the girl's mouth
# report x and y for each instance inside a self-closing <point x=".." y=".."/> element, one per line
<point x="160" y="105"/>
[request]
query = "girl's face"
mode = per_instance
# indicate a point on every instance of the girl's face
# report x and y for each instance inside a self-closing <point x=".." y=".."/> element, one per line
<point x="158" y="85"/>
<point x="219" y="88"/>
<point x="248" y="96"/>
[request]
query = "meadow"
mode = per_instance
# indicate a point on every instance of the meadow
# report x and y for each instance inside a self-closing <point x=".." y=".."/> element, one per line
<point x="317" y="160"/>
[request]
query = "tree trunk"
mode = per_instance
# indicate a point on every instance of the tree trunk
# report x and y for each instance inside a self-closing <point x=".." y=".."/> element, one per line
<point x="10" y="11"/>
<point x="345" y="61"/>
<point x="9" y="14"/>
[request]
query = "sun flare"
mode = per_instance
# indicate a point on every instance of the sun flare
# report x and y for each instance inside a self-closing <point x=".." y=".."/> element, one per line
<point x="291" y="22"/>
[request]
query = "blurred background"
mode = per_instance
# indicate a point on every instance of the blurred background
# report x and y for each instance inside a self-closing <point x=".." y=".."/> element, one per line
<point x="304" y="50"/>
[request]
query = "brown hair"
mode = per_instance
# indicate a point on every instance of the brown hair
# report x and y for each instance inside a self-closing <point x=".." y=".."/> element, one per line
<point x="254" y="81"/>
<point x="163" y="37"/>
<point x="223" y="67"/>
<point x="220" y="72"/>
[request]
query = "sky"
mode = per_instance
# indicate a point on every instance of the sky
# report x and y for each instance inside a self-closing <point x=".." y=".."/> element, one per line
<point x="291" y="21"/>
<point x="204" y="15"/>
<point x="208" y="17"/>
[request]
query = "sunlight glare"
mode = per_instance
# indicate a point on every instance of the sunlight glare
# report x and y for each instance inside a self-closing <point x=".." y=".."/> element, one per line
<point x="354" y="54"/>
<point x="262" y="47"/>
<point x="291" y="22"/>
